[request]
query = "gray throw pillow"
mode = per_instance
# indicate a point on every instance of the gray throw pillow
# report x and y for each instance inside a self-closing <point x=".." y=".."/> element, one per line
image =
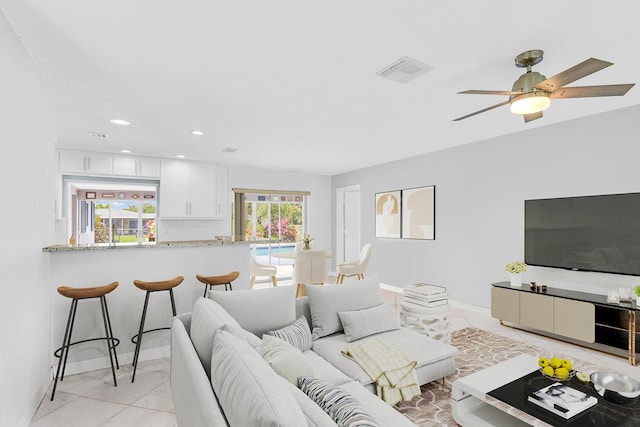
<point x="286" y="360"/>
<point x="249" y="391"/>
<point x="206" y="319"/>
<point x="326" y="301"/>
<point x="362" y="323"/>
<point x="260" y="310"/>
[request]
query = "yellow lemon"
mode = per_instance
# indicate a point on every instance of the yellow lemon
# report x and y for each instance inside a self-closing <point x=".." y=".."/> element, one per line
<point x="562" y="374"/>
<point x="543" y="361"/>
<point x="554" y="362"/>
<point x="566" y="364"/>
<point x="582" y="377"/>
<point x="548" y="371"/>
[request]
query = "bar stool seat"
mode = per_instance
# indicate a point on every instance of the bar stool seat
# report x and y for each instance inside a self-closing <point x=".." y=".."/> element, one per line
<point x="148" y="287"/>
<point x="77" y="294"/>
<point x="210" y="281"/>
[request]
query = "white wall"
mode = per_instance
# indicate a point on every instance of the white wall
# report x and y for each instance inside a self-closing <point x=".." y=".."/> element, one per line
<point x="480" y="193"/>
<point x="26" y="132"/>
<point x="320" y="201"/>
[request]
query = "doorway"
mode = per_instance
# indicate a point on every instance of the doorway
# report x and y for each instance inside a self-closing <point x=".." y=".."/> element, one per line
<point x="347" y="223"/>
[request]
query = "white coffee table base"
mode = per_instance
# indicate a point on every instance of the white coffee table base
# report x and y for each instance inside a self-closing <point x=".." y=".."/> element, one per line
<point x="473" y="407"/>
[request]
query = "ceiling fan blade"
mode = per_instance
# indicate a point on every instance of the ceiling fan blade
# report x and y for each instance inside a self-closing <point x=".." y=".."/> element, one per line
<point x="574" y="73"/>
<point x="482" y="111"/>
<point x="533" y="116"/>
<point x="490" y="92"/>
<point x="589" y="91"/>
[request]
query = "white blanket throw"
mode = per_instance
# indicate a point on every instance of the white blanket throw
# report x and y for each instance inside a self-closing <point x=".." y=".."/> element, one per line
<point x="392" y="370"/>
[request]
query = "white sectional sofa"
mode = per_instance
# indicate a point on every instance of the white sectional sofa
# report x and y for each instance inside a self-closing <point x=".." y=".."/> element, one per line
<point x="219" y="376"/>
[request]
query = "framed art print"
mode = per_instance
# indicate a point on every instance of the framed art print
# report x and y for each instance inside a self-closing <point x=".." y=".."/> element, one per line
<point x="418" y="213"/>
<point x="388" y="214"/>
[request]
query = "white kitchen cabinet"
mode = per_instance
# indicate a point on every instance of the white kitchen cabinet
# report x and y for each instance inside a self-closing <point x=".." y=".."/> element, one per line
<point x="84" y="163"/>
<point x="222" y="191"/>
<point x="187" y="190"/>
<point x="136" y="166"/>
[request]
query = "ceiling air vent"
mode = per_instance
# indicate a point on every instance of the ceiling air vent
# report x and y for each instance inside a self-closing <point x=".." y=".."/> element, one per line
<point x="229" y="150"/>
<point x="404" y="69"/>
<point x="99" y="135"/>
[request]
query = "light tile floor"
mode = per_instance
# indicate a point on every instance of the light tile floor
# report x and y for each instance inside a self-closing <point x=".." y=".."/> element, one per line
<point x="90" y="399"/>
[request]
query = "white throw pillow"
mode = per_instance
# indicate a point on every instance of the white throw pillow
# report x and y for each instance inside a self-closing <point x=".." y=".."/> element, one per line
<point x="326" y="301"/>
<point x="285" y="359"/>
<point x="373" y="320"/>
<point x="260" y="310"/>
<point x="206" y="319"/>
<point x="249" y="391"/>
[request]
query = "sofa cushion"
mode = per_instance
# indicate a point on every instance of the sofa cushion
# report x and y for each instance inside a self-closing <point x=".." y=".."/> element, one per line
<point x="324" y="370"/>
<point x="369" y="321"/>
<point x="339" y="404"/>
<point x="285" y="359"/>
<point x="260" y="310"/>
<point x="249" y="391"/>
<point x="207" y="318"/>
<point x="326" y="301"/>
<point x="297" y="334"/>
<point x="418" y="347"/>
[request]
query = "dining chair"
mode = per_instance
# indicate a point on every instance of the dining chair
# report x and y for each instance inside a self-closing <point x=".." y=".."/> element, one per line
<point x="310" y="269"/>
<point x="258" y="269"/>
<point x="357" y="267"/>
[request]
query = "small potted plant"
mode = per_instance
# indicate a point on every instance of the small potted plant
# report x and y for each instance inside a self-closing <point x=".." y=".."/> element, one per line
<point x="637" y="292"/>
<point x="307" y="242"/>
<point x="516" y="268"/>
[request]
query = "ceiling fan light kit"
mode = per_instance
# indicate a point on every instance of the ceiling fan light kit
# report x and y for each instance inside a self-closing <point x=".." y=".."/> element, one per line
<point x="528" y="103"/>
<point x="532" y="92"/>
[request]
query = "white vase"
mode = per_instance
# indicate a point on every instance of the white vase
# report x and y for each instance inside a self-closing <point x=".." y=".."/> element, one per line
<point x="516" y="280"/>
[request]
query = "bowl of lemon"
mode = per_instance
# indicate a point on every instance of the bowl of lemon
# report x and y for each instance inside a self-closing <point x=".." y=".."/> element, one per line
<point x="556" y="369"/>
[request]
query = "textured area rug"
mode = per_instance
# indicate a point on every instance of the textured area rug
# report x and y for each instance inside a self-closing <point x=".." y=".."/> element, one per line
<point x="478" y="349"/>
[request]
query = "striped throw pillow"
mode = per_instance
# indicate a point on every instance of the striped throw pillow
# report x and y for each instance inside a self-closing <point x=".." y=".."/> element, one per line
<point x="343" y="408"/>
<point x="297" y="334"/>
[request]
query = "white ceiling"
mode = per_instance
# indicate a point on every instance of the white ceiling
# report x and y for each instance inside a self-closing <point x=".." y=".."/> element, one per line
<point x="292" y="84"/>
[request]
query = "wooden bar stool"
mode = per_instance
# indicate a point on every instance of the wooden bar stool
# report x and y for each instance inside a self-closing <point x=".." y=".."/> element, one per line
<point x="210" y="281"/>
<point x="77" y="294"/>
<point x="165" y="285"/>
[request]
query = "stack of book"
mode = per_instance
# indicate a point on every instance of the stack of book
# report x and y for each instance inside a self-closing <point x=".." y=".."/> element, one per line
<point x="424" y="295"/>
<point x="562" y="400"/>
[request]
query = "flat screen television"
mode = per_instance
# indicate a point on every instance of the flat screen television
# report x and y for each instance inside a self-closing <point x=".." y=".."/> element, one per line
<point x="590" y="233"/>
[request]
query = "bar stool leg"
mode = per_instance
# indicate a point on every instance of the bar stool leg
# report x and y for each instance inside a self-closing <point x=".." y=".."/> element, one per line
<point x="110" y="335"/>
<point x="109" y="342"/>
<point x="139" y="337"/>
<point x="173" y="302"/>
<point x="64" y="347"/>
<point x="205" y="290"/>
<point x="74" y="303"/>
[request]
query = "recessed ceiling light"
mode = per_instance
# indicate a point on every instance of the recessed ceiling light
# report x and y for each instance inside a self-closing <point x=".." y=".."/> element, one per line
<point x="120" y="122"/>
<point x="197" y="132"/>
<point x="180" y="156"/>
<point x="125" y="151"/>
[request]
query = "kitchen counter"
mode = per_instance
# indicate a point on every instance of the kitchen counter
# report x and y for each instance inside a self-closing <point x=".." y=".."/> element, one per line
<point x="168" y="244"/>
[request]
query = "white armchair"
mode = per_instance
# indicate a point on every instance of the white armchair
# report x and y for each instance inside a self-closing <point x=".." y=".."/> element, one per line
<point x="355" y="268"/>
<point x="310" y="268"/>
<point x="258" y="269"/>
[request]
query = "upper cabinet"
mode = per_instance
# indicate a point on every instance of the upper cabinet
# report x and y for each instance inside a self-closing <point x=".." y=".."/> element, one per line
<point x="84" y="163"/>
<point x="136" y="166"/>
<point x="189" y="190"/>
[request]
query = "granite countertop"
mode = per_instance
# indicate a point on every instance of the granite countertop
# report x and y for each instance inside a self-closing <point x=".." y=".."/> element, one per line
<point x="167" y="244"/>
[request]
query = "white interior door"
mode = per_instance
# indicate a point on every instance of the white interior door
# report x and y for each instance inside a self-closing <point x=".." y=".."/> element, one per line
<point x="347" y="223"/>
